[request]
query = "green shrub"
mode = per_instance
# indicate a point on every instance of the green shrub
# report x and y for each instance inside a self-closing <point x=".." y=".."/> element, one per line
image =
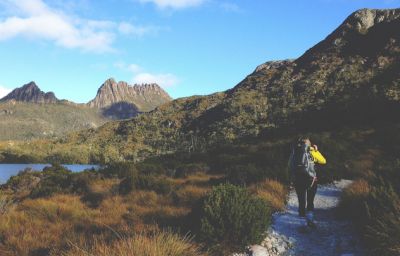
<point x="246" y="174"/>
<point x="156" y="183"/>
<point x="135" y="180"/>
<point x="231" y="217"/>
<point x="24" y="180"/>
<point x="128" y="184"/>
<point x="374" y="206"/>
<point x="151" y="169"/>
<point x="382" y="231"/>
<point x="55" y="179"/>
<point x="118" y="170"/>
<point x="80" y="181"/>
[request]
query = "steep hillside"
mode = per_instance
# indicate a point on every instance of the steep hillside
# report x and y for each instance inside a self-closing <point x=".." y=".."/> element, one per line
<point x="351" y="77"/>
<point x="24" y="120"/>
<point x="121" y="100"/>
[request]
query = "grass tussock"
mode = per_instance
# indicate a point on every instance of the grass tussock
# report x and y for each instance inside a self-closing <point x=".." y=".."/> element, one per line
<point x="271" y="191"/>
<point x="158" y="244"/>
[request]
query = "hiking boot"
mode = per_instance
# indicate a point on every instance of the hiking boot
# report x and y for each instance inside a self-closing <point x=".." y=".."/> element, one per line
<point x="310" y="220"/>
<point x="310" y="216"/>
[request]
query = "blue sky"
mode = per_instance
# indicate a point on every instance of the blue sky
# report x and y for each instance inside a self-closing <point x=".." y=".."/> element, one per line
<point x="188" y="46"/>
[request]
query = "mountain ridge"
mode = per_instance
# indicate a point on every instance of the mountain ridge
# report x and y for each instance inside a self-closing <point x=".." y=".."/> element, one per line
<point x="328" y="84"/>
<point x="331" y="84"/>
<point x="119" y="100"/>
<point x="111" y="92"/>
<point x="29" y="113"/>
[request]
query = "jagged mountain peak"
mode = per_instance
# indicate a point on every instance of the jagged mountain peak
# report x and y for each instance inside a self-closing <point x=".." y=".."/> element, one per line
<point x="30" y="92"/>
<point x="145" y="96"/>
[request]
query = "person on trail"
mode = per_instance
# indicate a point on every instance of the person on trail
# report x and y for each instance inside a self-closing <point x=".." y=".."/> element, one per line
<point x="302" y="162"/>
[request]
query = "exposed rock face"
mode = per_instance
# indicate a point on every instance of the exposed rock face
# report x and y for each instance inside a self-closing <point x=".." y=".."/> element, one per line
<point x="273" y="65"/>
<point x="146" y="96"/>
<point x="31" y="93"/>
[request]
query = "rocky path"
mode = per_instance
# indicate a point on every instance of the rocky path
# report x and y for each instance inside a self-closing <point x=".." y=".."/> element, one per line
<point x="332" y="237"/>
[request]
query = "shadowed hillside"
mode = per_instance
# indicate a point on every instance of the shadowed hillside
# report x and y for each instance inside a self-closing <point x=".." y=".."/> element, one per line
<point x="335" y="83"/>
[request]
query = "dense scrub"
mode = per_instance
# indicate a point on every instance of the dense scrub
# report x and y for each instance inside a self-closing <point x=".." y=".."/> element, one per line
<point x="232" y="218"/>
<point x="373" y="201"/>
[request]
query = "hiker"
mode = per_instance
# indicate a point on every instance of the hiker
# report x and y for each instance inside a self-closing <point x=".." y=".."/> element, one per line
<point x="302" y="162"/>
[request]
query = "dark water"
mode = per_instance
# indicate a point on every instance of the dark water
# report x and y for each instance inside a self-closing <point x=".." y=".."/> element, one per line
<point x="8" y="170"/>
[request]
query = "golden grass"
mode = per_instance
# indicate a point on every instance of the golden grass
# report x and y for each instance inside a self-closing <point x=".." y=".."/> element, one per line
<point x="54" y="223"/>
<point x="358" y="188"/>
<point x="41" y="223"/>
<point x="363" y="165"/>
<point x="190" y="194"/>
<point x="158" y="244"/>
<point x="353" y="198"/>
<point x="271" y="191"/>
<point x="200" y="179"/>
<point x="103" y="186"/>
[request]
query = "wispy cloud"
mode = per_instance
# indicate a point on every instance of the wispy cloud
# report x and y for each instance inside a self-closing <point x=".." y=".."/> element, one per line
<point x="141" y="76"/>
<point x="174" y="4"/>
<point x="130" y="29"/>
<point x="34" y="19"/>
<point x="164" y="80"/>
<point x="4" y="91"/>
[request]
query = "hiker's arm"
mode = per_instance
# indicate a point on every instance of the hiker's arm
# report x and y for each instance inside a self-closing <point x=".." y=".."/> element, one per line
<point x="318" y="157"/>
<point x="291" y="165"/>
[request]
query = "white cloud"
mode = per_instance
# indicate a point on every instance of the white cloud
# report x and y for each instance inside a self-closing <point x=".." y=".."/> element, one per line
<point x="174" y="4"/>
<point x="164" y="80"/>
<point x="126" y="28"/>
<point x="35" y="20"/>
<point x="4" y="91"/>
<point x="141" y="76"/>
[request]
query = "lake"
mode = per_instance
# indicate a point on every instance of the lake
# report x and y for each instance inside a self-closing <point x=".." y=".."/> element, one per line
<point x="8" y="170"/>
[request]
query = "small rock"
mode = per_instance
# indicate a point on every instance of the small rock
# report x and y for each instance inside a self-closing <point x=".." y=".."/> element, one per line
<point x="257" y="250"/>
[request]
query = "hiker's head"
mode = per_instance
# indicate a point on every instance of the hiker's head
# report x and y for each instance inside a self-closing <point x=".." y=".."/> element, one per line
<point x="304" y="140"/>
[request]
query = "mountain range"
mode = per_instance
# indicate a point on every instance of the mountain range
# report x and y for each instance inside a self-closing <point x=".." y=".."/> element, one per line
<point x="28" y="112"/>
<point x="351" y="77"/>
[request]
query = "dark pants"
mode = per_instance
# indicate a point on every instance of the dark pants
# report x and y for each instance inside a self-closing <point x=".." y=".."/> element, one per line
<point x="305" y="193"/>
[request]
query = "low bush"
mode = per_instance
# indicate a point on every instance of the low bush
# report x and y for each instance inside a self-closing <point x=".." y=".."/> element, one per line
<point x="374" y="206"/>
<point x="232" y="218"/>
<point x="118" y="170"/>
<point x="151" y="169"/>
<point x="128" y="184"/>
<point x="55" y="179"/>
<point x="382" y="231"/>
<point x="158" y="184"/>
<point x="134" y="180"/>
<point x="246" y="174"/>
<point x="353" y="200"/>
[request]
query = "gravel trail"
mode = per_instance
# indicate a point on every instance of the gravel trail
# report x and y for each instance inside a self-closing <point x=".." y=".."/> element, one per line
<point x="332" y="236"/>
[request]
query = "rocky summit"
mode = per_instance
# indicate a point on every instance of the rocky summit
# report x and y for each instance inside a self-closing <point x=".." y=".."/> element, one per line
<point x="121" y="100"/>
<point x="31" y="93"/>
